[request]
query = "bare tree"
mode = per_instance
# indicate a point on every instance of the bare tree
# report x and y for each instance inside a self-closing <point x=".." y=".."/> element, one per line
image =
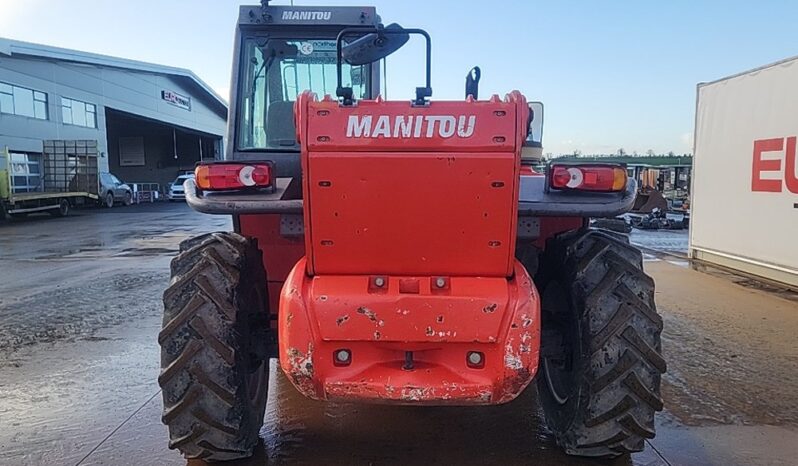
<point x="650" y="153"/>
<point x="621" y="152"/>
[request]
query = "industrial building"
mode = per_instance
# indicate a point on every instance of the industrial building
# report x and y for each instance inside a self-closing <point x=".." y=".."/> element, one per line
<point x="150" y="121"/>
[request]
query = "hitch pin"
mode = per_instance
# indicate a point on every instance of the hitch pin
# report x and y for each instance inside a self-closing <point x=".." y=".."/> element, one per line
<point x="408" y="361"/>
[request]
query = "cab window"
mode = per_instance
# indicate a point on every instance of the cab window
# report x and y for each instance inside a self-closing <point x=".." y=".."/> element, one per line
<point x="274" y="72"/>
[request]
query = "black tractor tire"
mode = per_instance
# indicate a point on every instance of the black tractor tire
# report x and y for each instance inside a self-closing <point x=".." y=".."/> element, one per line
<point x="601" y="355"/>
<point x="215" y="332"/>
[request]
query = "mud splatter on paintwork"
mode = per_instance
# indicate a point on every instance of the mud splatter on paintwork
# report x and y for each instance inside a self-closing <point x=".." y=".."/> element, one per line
<point x="368" y="313"/>
<point x="301" y="369"/>
<point x="511" y="360"/>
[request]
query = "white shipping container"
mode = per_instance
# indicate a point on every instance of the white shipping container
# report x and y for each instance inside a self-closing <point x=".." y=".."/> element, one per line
<point x="744" y="212"/>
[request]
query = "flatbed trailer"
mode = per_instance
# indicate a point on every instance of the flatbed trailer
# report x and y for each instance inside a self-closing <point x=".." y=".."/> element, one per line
<point x="63" y="176"/>
<point x="50" y="202"/>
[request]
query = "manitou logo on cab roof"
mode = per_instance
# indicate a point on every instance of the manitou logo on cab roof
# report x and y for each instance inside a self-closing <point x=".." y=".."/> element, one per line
<point x="774" y="165"/>
<point x="307" y="15"/>
<point x="410" y="126"/>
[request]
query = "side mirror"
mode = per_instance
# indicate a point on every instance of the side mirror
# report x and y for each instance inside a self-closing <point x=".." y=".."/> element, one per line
<point x="375" y="46"/>
<point x="532" y="150"/>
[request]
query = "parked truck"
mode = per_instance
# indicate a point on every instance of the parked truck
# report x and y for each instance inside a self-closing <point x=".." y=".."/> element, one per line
<point x="64" y="175"/>
<point x="745" y="173"/>
<point x="398" y="252"/>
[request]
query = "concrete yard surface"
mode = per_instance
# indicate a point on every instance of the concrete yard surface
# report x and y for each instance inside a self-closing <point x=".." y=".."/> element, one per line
<point x="80" y="308"/>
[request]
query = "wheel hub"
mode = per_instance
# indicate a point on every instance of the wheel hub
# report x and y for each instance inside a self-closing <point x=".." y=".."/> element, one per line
<point x="560" y="340"/>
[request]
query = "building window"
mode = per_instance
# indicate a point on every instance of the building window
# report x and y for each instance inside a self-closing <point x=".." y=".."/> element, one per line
<point x="25" y="173"/>
<point x="75" y="112"/>
<point x="21" y="101"/>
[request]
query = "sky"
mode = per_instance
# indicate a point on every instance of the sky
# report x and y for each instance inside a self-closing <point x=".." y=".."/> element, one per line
<point x="612" y="74"/>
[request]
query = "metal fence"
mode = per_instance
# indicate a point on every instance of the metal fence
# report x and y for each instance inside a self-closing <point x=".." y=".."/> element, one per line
<point x="145" y="192"/>
<point x="70" y="166"/>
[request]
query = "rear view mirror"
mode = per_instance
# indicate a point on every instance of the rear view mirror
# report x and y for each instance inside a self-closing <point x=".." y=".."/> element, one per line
<point x="375" y="46"/>
<point x="372" y="45"/>
<point x="280" y="49"/>
<point x="533" y="145"/>
<point x="534" y="135"/>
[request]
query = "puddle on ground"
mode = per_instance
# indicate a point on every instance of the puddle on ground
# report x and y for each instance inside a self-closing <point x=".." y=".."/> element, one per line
<point x="302" y="431"/>
<point x="299" y="431"/>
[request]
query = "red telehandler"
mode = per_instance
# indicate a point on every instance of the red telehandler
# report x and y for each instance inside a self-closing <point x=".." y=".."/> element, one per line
<point x="398" y="252"/>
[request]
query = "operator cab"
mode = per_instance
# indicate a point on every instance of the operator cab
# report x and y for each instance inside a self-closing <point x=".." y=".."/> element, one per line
<point x="282" y="51"/>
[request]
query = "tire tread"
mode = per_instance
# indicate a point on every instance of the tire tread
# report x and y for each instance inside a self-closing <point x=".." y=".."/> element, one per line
<point x="206" y="355"/>
<point x="614" y="301"/>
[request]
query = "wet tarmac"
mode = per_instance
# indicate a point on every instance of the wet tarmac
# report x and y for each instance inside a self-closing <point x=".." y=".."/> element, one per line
<point x="663" y="241"/>
<point x="80" y="310"/>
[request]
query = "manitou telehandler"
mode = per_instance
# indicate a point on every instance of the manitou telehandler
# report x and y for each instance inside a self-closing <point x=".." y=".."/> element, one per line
<point x="398" y="252"/>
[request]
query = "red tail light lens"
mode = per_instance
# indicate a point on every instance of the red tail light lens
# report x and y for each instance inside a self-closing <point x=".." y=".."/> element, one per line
<point x="600" y="178"/>
<point x="223" y="176"/>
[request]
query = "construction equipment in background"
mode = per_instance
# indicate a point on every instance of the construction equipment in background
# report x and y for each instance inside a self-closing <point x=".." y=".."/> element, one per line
<point x="663" y="187"/>
<point x="663" y="197"/>
<point x="398" y="252"/>
<point x="649" y="199"/>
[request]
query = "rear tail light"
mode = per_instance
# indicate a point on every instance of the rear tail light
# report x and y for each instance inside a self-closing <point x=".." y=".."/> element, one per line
<point x="600" y="178"/>
<point x="223" y="176"/>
